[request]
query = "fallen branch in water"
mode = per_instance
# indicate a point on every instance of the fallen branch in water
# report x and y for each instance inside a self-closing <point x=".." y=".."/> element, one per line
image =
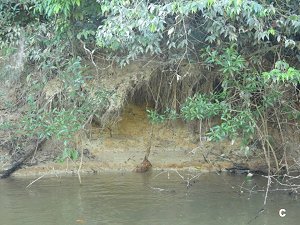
<point x="189" y="178"/>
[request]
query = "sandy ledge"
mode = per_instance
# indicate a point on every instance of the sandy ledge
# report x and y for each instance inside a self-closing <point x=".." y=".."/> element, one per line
<point x="71" y="169"/>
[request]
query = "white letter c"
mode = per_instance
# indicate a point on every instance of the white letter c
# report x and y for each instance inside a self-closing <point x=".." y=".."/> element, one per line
<point x="282" y="212"/>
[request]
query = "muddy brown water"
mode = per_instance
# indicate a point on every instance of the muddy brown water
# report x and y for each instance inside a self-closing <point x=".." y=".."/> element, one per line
<point x="153" y="198"/>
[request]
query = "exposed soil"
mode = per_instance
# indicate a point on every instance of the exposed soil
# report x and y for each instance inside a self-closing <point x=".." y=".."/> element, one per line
<point x="123" y="147"/>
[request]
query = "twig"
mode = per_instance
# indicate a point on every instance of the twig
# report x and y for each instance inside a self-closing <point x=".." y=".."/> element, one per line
<point x="188" y="180"/>
<point x="91" y="53"/>
<point x="160" y="174"/>
<point x="80" y="165"/>
<point x="35" y="181"/>
<point x="268" y="186"/>
<point x="157" y="189"/>
<point x="283" y="141"/>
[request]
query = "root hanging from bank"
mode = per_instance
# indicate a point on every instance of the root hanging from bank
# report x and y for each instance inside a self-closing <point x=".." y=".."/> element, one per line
<point x="147" y="84"/>
<point x="146" y="164"/>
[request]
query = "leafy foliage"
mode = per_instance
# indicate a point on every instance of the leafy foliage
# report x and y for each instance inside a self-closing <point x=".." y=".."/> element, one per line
<point x="68" y="153"/>
<point x="45" y="51"/>
<point x="200" y="107"/>
<point x="157" y="118"/>
<point x="283" y="73"/>
<point x="246" y="95"/>
<point x="72" y="109"/>
<point x="140" y="27"/>
<point x="49" y="57"/>
<point x="54" y="7"/>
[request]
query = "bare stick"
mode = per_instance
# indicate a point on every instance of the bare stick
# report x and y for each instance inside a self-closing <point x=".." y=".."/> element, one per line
<point x="35" y="181"/>
<point x="188" y="180"/>
<point x="160" y="174"/>
<point x="80" y="165"/>
<point x="91" y="55"/>
<point x="157" y="189"/>
<point x="268" y="186"/>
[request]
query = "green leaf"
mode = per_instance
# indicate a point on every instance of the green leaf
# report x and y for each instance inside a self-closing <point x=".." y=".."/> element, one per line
<point x="152" y="27"/>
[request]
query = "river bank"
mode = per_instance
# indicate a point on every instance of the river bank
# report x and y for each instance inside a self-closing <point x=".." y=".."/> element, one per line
<point x="123" y="147"/>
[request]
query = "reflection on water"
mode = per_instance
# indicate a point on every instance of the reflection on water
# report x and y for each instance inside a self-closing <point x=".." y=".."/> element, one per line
<point x="116" y="198"/>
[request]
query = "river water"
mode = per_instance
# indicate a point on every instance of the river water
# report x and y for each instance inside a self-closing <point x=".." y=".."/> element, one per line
<point x="142" y="199"/>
